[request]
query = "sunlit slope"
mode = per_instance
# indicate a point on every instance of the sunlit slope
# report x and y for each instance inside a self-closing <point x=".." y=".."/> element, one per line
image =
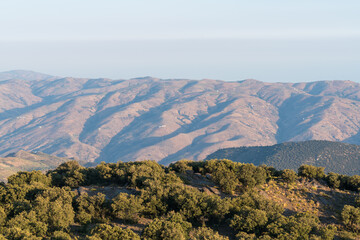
<point x="167" y="120"/>
<point x="27" y="161"/>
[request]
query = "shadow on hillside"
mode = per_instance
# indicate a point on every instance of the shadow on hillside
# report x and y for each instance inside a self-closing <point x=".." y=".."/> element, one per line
<point x="154" y="116"/>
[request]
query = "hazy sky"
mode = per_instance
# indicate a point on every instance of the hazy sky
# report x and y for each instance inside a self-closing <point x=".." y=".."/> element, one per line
<point x="231" y="40"/>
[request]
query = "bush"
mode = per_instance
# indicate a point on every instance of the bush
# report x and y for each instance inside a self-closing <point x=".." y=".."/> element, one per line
<point x="70" y="174"/>
<point x="223" y="172"/>
<point x="256" y="201"/>
<point x="91" y="209"/>
<point x="108" y="232"/>
<point x="181" y="166"/>
<point x="328" y="232"/>
<point x="127" y="207"/>
<point x="27" y="222"/>
<point x="54" y="207"/>
<point x="353" y="183"/>
<point x="245" y="236"/>
<point x="250" y="175"/>
<point x="249" y="220"/>
<point x="59" y="235"/>
<point x="29" y="178"/>
<point x="172" y="227"/>
<point x="18" y="233"/>
<point x="311" y="172"/>
<point x="333" y="180"/>
<point x="288" y="175"/>
<point x="139" y="172"/>
<point x="351" y="217"/>
<point x="205" y="233"/>
<point x="299" y="226"/>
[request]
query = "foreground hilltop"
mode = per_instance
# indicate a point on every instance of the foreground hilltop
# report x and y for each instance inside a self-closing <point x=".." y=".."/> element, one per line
<point x="214" y="200"/>
<point x="337" y="157"/>
<point x="169" y="119"/>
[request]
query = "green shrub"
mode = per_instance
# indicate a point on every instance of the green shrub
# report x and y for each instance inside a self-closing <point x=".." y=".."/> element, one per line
<point x="333" y="180"/>
<point x="249" y="220"/>
<point x="351" y="217"/>
<point x="328" y="232"/>
<point x="70" y="174"/>
<point x="172" y="227"/>
<point x="181" y="166"/>
<point x="28" y="222"/>
<point x="108" y="232"/>
<point x="353" y="183"/>
<point x="54" y="207"/>
<point x="127" y="207"/>
<point x="30" y="178"/>
<point x="311" y="172"/>
<point x="60" y="235"/>
<point x="91" y="209"/>
<point x="205" y="233"/>
<point x="299" y="226"/>
<point x="288" y="175"/>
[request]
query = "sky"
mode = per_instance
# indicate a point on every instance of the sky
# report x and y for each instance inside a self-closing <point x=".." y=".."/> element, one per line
<point x="272" y="41"/>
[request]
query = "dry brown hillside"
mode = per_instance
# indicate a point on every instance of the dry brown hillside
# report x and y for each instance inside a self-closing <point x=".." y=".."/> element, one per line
<point x="169" y="119"/>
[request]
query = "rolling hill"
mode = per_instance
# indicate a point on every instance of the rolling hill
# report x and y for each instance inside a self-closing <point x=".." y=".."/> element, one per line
<point x="336" y="157"/>
<point x="169" y="119"/>
<point x="27" y="161"/>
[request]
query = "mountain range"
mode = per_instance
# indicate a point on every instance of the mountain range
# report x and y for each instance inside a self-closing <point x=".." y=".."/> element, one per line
<point x="168" y="119"/>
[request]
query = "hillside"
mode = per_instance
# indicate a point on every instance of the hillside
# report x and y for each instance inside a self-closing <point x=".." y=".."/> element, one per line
<point x="170" y="119"/>
<point x="27" y="161"/>
<point x="336" y="157"/>
<point x="213" y="200"/>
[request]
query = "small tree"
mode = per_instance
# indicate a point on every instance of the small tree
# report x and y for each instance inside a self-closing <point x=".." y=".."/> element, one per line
<point x="288" y="175"/>
<point x="68" y="174"/>
<point x="311" y="172"/>
<point x="351" y="217"/>
<point x="127" y="207"/>
<point x="333" y="180"/>
<point x="204" y="233"/>
<point x="60" y="235"/>
<point x="353" y="182"/>
<point x="91" y="209"/>
<point x="30" y="178"/>
<point x="249" y="220"/>
<point x="181" y="166"/>
<point x="172" y="227"/>
<point x="54" y="207"/>
<point x="108" y="232"/>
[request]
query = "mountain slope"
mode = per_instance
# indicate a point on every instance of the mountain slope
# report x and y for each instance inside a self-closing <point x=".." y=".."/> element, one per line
<point x="167" y="120"/>
<point x="27" y="161"/>
<point x="336" y="157"/>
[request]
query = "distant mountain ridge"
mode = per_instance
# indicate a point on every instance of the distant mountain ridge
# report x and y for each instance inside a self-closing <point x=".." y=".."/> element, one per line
<point x="24" y="75"/>
<point x="336" y="157"/>
<point x="170" y="119"/>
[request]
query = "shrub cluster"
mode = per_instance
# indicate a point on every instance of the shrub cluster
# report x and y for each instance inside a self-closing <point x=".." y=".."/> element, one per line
<point x="34" y="205"/>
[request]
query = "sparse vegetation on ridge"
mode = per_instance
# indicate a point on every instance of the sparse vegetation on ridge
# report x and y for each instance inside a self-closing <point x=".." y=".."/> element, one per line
<point x="338" y="157"/>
